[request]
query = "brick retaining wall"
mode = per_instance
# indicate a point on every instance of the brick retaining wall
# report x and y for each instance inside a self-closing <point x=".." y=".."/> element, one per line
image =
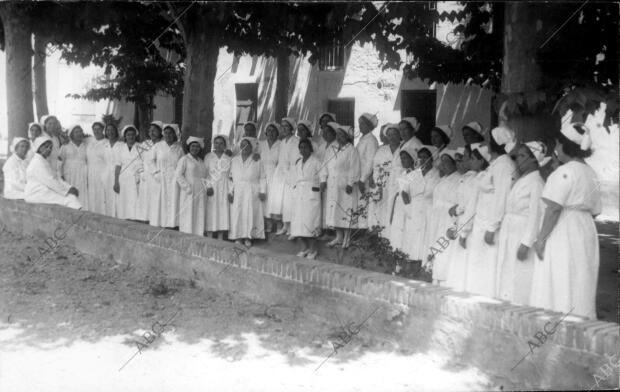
<point x="489" y="334"/>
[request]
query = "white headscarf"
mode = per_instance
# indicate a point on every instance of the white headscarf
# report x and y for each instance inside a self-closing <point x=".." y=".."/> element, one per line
<point x="291" y="122"/>
<point x="333" y="125"/>
<point x="194" y="139"/>
<point x="504" y="137"/>
<point x="568" y="129"/>
<point x="16" y="141"/>
<point x="100" y="123"/>
<point x="176" y="129"/>
<point x="483" y="150"/>
<point x="332" y="116"/>
<point x="539" y="150"/>
<point x="347" y="130"/>
<point x="371" y="118"/>
<point x="475" y="126"/>
<point x="446" y="129"/>
<point x="252" y="140"/>
<point x="220" y="136"/>
<point x="277" y="126"/>
<point x="128" y="127"/>
<point x="415" y="124"/>
<point x="450" y="153"/>
<point x="38" y="142"/>
<point x="158" y="124"/>
<point x="72" y="128"/>
<point x="306" y="124"/>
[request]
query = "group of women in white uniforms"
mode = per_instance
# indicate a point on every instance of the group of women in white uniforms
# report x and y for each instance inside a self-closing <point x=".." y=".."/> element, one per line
<point x="481" y="214"/>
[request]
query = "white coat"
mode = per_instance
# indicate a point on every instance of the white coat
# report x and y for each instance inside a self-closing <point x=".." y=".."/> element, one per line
<point x="306" y="217"/>
<point x="192" y="196"/>
<point x="247" y="180"/>
<point x="111" y="160"/>
<point x="339" y="171"/>
<point x="366" y="148"/>
<point x="43" y="185"/>
<point x="566" y="279"/>
<point x="148" y="186"/>
<point x="494" y="187"/>
<point x="280" y="203"/>
<point x="217" y="206"/>
<point x="415" y="232"/>
<point x="129" y="181"/>
<point x="164" y="159"/>
<point x="14" y="171"/>
<point x="269" y="157"/>
<point x="467" y="196"/>
<point x="380" y="195"/>
<point x="439" y="221"/>
<point x="326" y="154"/>
<point x="72" y="166"/>
<point x="96" y="175"/>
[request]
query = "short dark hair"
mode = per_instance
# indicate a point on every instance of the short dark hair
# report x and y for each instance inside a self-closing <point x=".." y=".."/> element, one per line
<point x="571" y="148"/>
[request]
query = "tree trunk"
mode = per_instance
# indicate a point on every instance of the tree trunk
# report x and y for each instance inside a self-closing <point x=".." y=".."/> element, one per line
<point x="39" y="77"/>
<point x="203" y="49"/>
<point x="282" y="86"/>
<point x="18" y="50"/>
<point x="523" y="28"/>
<point x="144" y="116"/>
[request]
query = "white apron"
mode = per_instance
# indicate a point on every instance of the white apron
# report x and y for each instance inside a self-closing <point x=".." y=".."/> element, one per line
<point x="192" y="195"/>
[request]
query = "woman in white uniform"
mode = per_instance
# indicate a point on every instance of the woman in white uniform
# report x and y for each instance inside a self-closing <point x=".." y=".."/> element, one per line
<point x="164" y="159"/>
<point x="34" y="131"/>
<point x="318" y="138"/>
<point x="339" y="175"/>
<point x="408" y="128"/>
<point x="520" y="226"/>
<point x="326" y="153"/>
<point x="366" y="148"/>
<point x="306" y="218"/>
<point x="43" y="184"/>
<point x="217" y="163"/>
<point x="565" y="278"/>
<point x="270" y="150"/>
<point x="14" y="169"/>
<point x="51" y="126"/>
<point x="190" y="173"/>
<point x="304" y="132"/>
<point x="469" y="165"/>
<point x="246" y="193"/>
<point x="438" y="217"/>
<point x="96" y="169"/>
<point x="148" y="190"/>
<point x="379" y="181"/>
<point x="494" y="188"/>
<point x="72" y="163"/>
<point x="127" y="175"/>
<point x="112" y="149"/>
<point x="280" y="204"/>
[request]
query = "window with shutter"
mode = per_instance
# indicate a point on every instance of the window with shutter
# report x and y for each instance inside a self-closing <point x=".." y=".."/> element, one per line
<point x="331" y="56"/>
<point x="246" y="105"/>
<point x="344" y="109"/>
<point x="420" y="104"/>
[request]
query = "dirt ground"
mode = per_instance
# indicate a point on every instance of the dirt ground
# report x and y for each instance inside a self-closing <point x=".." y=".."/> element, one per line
<point x="71" y="322"/>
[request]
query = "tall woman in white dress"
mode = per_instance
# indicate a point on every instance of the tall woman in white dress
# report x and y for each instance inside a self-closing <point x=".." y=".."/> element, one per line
<point x="96" y="169"/>
<point x="190" y="173"/>
<point x="148" y="190"/>
<point x="339" y="175"/>
<point x="246" y="192"/>
<point x="280" y="203"/>
<point x="51" y="126"/>
<point x="112" y="149"/>
<point x="269" y="153"/>
<point x="366" y="147"/>
<point x="381" y="182"/>
<point x="306" y="218"/>
<point x="164" y="159"/>
<point x="439" y="219"/>
<point x="566" y="276"/>
<point x="520" y="225"/>
<point x="217" y="163"/>
<point x="14" y="169"/>
<point x="127" y="175"/>
<point x="43" y="184"/>
<point x="72" y="164"/>
<point x="494" y="187"/>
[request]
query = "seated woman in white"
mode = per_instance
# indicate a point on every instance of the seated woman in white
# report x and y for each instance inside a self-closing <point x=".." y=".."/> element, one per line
<point x="42" y="183"/>
<point x="14" y="169"/>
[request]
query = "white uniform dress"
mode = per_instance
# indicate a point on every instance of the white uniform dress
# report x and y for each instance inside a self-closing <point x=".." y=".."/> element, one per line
<point x="147" y="182"/>
<point x="129" y="181"/>
<point x="494" y="186"/>
<point x="164" y="159"/>
<point x="217" y="206"/>
<point x="366" y="148"/>
<point x="192" y="199"/>
<point x="467" y="195"/>
<point x="567" y="277"/>
<point x="379" y="196"/>
<point x="44" y="186"/>
<point x="520" y="226"/>
<point x="280" y="203"/>
<point x="327" y="153"/>
<point x="246" y="212"/>
<point x="72" y="166"/>
<point x="306" y="218"/>
<point x="96" y="175"/>
<point x="439" y="221"/>
<point x="269" y="157"/>
<point x="339" y="171"/>
<point x="111" y="160"/>
<point x="14" y="170"/>
<point x="415" y="232"/>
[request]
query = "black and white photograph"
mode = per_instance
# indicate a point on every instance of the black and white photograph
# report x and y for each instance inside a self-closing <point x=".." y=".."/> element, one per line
<point x="305" y="196"/>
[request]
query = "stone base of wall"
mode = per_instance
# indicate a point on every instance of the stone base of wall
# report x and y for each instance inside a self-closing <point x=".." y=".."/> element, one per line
<point x="489" y="334"/>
